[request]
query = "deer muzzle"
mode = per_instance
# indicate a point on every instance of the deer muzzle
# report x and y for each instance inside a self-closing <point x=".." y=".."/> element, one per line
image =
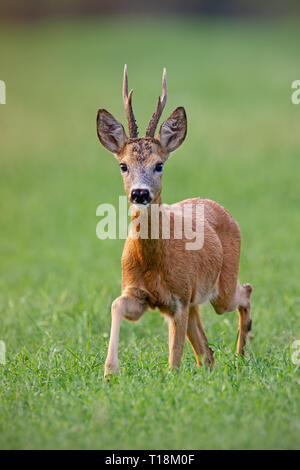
<point x="140" y="196"/>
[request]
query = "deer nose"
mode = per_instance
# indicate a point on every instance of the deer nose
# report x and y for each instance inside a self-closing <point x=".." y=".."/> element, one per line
<point x="140" y="196"/>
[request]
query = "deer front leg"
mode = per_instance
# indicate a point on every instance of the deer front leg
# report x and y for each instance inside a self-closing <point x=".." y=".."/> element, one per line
<point x="124" y="306"/>
<point x="177" y="332"/>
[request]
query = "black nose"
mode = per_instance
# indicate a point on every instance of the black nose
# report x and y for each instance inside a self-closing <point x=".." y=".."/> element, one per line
<point x="140" y="196"/>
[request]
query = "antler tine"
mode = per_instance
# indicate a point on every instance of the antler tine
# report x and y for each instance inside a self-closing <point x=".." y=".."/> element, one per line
<point x="132" y="126"/>
<point x="160" y="107"/>
<point x="164" y="87"/>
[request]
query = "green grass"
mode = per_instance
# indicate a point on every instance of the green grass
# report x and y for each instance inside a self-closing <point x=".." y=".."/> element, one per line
<point x="57" y="280"/>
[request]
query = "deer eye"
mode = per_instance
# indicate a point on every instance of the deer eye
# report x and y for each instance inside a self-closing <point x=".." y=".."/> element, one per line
<point x="159" y="167"/>
<point x="123" y="167"/>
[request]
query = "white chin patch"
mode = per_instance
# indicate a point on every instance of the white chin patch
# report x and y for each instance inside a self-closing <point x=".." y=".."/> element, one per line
<point x="141" y="206"/>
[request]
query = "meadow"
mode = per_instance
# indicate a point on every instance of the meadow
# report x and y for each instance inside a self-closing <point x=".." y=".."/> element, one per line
<point x="57" y="279"/>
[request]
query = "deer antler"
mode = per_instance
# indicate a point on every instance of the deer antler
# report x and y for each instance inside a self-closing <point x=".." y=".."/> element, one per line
<point x="160" y="107"/>
<point x="132" y="126"/>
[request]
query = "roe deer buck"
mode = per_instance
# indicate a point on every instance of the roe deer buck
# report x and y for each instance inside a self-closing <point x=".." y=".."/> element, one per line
<point x="161" y="272"/>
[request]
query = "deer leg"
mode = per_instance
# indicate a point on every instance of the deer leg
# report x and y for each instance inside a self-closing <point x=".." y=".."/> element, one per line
<point x="240" y="301"/>
<point x="197" y="338"/>
<point x="245" y="321"/>
<point x="177" y="332"/>
<point x="124" y="306"/>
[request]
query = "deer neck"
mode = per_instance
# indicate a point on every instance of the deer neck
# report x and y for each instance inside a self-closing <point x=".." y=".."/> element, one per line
<point x="150" y="251"/>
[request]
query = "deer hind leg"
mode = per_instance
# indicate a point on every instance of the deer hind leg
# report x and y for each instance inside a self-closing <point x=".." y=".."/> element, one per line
<point x="232" y="295"/>
<point x="197" y="338"/>
<point x="240" y="301"/>
<point x="130" y="308"/>
<point x="245" y="321"/>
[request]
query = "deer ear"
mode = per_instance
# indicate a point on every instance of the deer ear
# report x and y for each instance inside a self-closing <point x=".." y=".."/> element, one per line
<point x="110" y="132"/>
<point x="173" y="131"/>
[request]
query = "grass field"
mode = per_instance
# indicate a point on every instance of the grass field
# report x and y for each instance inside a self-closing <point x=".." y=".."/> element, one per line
<point x="58" y="280"/>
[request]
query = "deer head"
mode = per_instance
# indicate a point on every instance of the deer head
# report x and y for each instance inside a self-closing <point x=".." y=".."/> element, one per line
<point x="142" y="159"/>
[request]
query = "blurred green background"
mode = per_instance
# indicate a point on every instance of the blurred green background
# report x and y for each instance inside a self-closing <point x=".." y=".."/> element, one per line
<point x="57" y="281"/>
